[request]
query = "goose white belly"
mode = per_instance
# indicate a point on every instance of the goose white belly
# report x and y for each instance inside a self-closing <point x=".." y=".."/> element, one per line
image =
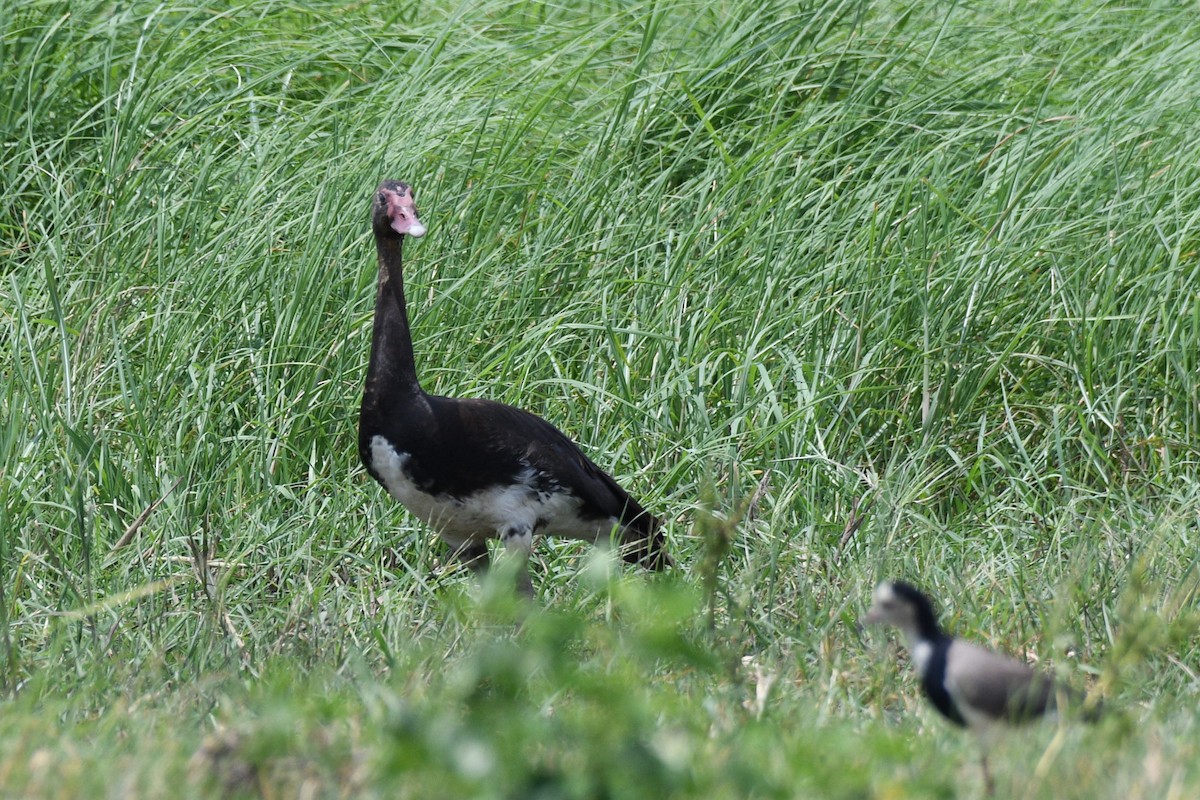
<point x="519" y="508"/>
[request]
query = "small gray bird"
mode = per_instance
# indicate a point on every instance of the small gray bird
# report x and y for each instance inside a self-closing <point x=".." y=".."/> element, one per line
<point x="970" y="685"/>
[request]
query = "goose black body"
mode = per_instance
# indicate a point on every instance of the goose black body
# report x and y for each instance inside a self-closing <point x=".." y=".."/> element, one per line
<point x="475" y="469"/>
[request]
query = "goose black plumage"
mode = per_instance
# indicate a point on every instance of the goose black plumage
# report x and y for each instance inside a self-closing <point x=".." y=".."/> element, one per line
<point x="971" y="686"/>
<point x="475" y="469"/>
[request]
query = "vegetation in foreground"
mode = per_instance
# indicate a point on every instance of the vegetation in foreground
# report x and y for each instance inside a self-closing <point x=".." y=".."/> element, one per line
<point x="842" y="290"/>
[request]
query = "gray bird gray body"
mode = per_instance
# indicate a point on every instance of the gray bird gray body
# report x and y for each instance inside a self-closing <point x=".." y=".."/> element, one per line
<point x="989" y="687"/>
<point x="970" y="685"/>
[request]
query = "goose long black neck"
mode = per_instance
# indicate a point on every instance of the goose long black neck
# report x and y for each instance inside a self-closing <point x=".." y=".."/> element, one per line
<point x="392" y="371"/>
<point x="391" y="380"/>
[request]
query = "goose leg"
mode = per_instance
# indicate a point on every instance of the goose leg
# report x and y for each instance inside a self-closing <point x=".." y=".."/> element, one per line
<point x="474" y="555"/>
<point x="518" y="541"/>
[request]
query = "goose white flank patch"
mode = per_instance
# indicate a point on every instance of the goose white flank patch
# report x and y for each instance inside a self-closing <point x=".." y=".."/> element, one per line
<point x="475" y="469"/>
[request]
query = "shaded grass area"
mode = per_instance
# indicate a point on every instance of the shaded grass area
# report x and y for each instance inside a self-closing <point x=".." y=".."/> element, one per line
<point x="640" y="703"/>
<point x="841" y="290"/>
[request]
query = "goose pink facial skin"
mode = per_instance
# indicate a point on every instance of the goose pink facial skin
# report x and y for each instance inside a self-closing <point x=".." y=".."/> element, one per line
<point x="402" y="210"/>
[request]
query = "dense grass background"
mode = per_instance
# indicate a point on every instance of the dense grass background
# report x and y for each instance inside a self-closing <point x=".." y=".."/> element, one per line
<point x="842" y="290"/>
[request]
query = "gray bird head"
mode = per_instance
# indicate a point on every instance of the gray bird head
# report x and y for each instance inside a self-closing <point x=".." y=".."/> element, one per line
<point x="903" y="606"/>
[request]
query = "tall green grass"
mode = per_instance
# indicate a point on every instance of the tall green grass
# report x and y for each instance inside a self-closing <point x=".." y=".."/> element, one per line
<point x="841" y="290"/>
